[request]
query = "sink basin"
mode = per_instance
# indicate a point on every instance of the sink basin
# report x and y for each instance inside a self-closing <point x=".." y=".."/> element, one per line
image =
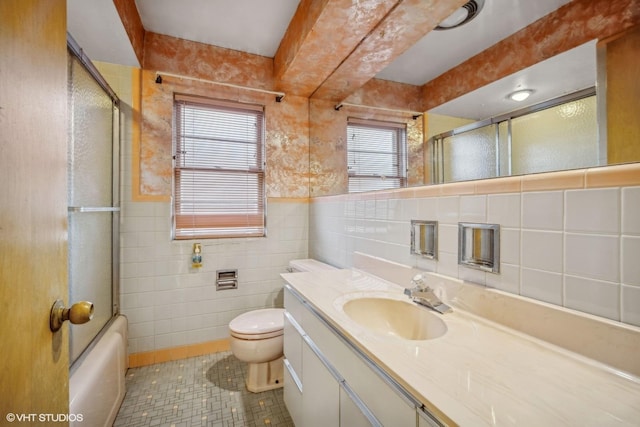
<point x="392" y="317"/>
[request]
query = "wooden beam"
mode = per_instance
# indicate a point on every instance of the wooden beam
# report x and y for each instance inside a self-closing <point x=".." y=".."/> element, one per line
<point x="400" y="29"/>
<point x="320" y="36"/>
<point x="132" y="24"/>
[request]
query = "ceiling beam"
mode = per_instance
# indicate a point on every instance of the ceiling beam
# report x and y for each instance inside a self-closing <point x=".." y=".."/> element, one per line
<point x="401" y="28"/>
<point x="132" y="24"/>
<point x="321" y="34"/>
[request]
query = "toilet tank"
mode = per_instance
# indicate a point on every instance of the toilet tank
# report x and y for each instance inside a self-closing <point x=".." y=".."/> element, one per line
<point x="308" y="265"/>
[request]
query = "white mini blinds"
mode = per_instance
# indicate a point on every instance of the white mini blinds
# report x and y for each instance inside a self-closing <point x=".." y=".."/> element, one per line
<point x="376" y="155"/>
<point x="218" y="169"/>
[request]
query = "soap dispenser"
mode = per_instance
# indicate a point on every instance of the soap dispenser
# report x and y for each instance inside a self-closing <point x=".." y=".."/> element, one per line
<point x="196" y="256"/>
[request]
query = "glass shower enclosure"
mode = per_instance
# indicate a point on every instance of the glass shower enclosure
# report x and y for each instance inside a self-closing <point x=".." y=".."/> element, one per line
<point x="93" y="198"/>
<point x="555" y="135"/>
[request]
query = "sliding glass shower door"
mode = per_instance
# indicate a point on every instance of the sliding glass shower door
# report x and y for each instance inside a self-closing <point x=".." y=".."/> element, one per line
<point x="93" y="199"/>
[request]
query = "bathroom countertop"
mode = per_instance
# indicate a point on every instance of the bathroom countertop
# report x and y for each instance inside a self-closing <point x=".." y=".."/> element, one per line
<point x="479" y="372"/>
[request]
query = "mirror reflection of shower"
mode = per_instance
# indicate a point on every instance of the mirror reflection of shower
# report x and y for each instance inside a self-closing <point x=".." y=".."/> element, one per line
<point x="557" y="134"/>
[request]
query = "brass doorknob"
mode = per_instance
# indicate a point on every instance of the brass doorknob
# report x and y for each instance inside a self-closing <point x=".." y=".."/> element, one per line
<point x="79" y="313"/>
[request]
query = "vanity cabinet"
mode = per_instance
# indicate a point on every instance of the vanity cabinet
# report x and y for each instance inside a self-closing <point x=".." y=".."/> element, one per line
<point x="293" y="358"/>
<point x="337" y="385"/>
<point x="321" y="396"/>
<point x="350" y="413"/>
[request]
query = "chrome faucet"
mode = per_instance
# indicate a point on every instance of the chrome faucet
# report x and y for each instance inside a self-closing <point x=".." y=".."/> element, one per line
<point x="422" y="294"/>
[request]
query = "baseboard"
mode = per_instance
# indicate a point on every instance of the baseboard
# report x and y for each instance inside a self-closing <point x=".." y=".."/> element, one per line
<point x="177" y="353"/>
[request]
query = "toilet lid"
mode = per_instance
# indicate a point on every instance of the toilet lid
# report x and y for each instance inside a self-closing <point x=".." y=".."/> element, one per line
<point x="258" y="322"/>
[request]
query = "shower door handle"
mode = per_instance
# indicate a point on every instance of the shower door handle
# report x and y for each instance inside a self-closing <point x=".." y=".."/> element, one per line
<point x="93" y="209"/>
<point x="79" y="313"/>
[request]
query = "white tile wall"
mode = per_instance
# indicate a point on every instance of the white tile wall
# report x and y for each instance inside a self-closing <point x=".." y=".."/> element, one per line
<point x="631" y="259"/>
<point x="473" y="209"/>
<point x="593" y="296"/>
<point x="542" y="211"/>
<point x="169" y="304"/>
<point x="631" y="210"/>
<point x="630" y="303"/>
<point x="542" y="250"/>
<point x="575" y="248"/>
<point x="542" y="285"/>
<point x="593" y="256"/>
<point x="596" y="211"/>
<point x="504" y="209"/>
<point x="449" y="209"/>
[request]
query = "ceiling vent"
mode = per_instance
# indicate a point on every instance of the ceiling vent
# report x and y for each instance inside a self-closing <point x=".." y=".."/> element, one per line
<point x="461" y="16"/>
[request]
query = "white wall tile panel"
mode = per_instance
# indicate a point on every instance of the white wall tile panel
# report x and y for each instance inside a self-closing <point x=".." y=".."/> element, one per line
<point x="449" y="209"/>
<point x="631" y="260"/>
<point x="473" y="209"/>
<point x="631" y="304"/>
<point x="593" y="296"/>
<point x="542" y="285"/>
<point x="427" y="209"/>
<point x="448" y="238"/>
<point x="509" y="246"/>
<point x="508" y="280"/>
<point x="596" y="211"/>
<point x="543" y="210"/>
<point x="542" y="250"/>
<point x="504" y="209"/>
<point x="448" y="264"/>
<point x="631" y="210"/>
<point x="409" y="209"/>
<point x="593" y="256"/>
<point x="472" y="275"/>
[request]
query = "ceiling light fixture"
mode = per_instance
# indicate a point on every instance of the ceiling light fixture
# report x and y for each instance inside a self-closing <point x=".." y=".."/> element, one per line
<point x="520" y="95"/>
<point x="461" y="16"/>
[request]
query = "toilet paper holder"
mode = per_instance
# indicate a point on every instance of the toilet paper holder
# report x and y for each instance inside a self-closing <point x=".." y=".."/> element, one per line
<point x="226" y="279"/>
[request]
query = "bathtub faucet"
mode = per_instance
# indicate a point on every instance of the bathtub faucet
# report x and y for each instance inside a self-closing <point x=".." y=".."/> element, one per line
<point x="422" y="294"/>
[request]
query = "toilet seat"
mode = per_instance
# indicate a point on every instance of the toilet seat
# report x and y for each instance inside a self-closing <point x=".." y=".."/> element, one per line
<point x="258" y="324"/>
<point x="255" y="337"/>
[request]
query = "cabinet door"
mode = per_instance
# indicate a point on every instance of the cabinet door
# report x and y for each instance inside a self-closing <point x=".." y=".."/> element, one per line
<point x="350" y="414"/>
<point x="292" y="394"/>
<point x="292" y="344"/>
<point x="321" y="394"/>
<point x="425" y="421"/>
<point x="385" y="403"/>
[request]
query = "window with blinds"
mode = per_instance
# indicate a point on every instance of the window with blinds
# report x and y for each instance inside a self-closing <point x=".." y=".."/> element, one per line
<point x="219" y="186"/>
<point x="376" y="155"/>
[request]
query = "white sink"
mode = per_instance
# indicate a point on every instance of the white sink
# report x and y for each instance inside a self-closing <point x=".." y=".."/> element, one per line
<point x="393" y="317"/>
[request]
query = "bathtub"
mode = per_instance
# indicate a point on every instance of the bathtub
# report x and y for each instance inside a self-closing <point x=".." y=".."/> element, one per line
<point x="96" y="386"/>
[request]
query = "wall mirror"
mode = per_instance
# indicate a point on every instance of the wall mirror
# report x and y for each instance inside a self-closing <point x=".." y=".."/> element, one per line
<point x="577" y="116"/>
<point x="602" y="72"/>
<point x="554" y="126"/>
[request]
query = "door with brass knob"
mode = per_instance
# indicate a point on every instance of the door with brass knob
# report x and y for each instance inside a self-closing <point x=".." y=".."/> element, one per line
<point x="79" y="313"/>
<point x="33" y="225"/>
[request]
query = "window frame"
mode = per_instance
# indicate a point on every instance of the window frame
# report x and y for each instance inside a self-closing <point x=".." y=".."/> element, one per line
<point x="400" y="130"/>
<point x="216" y="223"/>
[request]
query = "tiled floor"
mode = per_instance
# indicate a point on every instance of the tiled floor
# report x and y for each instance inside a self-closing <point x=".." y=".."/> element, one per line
<point x="200" y="391"/>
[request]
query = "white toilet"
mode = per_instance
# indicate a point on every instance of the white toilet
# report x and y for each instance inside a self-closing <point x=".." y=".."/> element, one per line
<point x="257" y="338"/>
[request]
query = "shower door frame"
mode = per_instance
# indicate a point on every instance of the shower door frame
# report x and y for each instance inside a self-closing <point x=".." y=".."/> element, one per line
<point x="75" y="50"/>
